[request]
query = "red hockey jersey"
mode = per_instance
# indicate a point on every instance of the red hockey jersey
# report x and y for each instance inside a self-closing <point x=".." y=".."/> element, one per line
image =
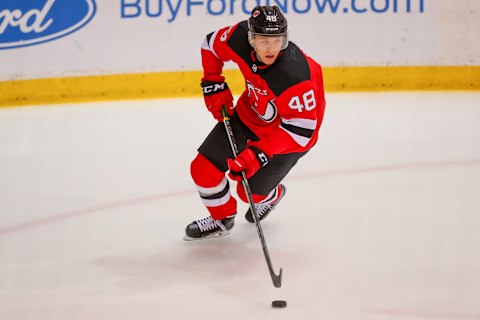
<point x="283" y="103"/>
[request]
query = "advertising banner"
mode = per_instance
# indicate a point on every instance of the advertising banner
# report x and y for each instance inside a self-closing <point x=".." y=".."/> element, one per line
<point x="61" y="38"/>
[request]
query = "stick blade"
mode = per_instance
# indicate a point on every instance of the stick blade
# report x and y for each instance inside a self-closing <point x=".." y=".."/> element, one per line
<point x="277" y="279"/>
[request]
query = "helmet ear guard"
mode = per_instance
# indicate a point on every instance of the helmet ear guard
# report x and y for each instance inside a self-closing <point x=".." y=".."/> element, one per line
<point x="267" y="21"/>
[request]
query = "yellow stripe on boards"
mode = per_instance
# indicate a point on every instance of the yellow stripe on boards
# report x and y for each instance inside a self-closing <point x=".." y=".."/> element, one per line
<point x="348" y="79"/>
<point x="187" y="84"/>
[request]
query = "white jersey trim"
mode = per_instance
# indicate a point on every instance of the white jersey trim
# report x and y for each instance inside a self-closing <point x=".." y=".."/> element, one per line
<point x="301" y="123"/>
<point x="304" y="126"/>
<point x="301" y="140"/>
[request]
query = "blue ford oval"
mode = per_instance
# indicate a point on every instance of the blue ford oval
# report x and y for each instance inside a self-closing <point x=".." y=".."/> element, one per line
<point x="26" y="23"/>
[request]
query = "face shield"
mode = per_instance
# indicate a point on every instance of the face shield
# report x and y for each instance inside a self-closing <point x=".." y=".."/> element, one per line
<point x="268" y="42"/>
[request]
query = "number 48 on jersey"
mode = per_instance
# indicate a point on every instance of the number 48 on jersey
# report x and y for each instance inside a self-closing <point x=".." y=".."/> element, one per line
<point x="307" y="102"/>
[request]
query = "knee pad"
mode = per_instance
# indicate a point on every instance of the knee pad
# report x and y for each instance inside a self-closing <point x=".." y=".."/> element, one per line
<point x="204" y="173"/>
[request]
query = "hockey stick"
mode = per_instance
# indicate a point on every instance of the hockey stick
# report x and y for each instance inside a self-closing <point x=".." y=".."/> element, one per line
<point x="277" y="279"/>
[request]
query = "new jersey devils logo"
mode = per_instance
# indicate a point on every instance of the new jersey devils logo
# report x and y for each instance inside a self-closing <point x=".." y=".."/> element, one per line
<point x="264" y="107"/>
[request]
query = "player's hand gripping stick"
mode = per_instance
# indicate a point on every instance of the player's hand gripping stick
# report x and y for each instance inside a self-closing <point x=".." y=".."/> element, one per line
<point x="276" y="279"/>
<point x="249" y="161"/>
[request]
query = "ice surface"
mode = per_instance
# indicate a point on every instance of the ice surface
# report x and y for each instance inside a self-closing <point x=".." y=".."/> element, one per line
<point x="381" y="219"/>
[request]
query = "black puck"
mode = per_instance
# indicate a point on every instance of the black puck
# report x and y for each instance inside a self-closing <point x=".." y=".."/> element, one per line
<point x="279" y="304"/>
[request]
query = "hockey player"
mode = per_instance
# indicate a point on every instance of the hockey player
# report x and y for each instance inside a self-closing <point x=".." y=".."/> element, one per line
<point x="275" y="121"/>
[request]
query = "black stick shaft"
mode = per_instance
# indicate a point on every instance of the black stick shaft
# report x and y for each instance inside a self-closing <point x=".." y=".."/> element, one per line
<point x="276" y="279"/>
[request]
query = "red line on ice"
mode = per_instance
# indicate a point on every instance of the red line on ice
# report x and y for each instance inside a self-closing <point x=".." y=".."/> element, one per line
<point x="135" y="201"/>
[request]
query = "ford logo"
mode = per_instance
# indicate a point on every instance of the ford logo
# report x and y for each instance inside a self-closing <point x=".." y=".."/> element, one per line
<point x="25" y="23"/>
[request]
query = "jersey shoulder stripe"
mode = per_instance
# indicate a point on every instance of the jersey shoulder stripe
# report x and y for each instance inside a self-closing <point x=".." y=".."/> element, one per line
<point x="208" y="42"/>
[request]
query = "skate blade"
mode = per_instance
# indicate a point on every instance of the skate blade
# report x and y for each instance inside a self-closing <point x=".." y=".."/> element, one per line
<point x="220" y="234"/>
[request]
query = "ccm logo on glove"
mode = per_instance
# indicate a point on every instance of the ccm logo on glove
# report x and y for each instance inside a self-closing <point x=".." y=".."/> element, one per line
<point x="214" y="88"/>
<point x="217" y="95"/>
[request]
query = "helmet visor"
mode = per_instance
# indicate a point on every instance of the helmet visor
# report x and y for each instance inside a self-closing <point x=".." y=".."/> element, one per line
<point x="264" y="42"/>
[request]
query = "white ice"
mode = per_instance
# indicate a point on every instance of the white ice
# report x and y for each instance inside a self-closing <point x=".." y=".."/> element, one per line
<point x="381" y="219"/>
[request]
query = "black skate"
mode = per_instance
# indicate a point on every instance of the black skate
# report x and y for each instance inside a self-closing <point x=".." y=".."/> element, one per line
<point x="264" y="209"/>
<point x="207" y="228"/>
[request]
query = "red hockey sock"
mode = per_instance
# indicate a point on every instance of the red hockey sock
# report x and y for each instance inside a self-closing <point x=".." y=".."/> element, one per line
<point x="257" y="198"/>
<point x="213" y="187"/>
